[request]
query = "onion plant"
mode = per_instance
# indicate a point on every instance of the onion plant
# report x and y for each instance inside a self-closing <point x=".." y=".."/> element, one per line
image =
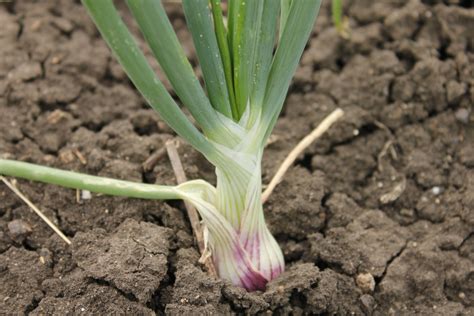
<point x="337" y="14"/>
<point x="340" y="22"/>
<point x="248" y="58"/>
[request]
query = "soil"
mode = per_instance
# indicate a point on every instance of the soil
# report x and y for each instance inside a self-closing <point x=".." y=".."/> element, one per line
<point x="376" y="218"/>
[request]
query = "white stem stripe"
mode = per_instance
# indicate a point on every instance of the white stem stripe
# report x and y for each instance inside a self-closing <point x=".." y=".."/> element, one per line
<point x="302" y="145"/>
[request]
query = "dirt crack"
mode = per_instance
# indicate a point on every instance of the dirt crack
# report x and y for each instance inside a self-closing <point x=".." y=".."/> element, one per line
<point x="379" y="279"/>
<point x="32" y="306"/>
<point x="145" y="248"/>
<point x="129" y="296"/>
<point x="465" y="239"/>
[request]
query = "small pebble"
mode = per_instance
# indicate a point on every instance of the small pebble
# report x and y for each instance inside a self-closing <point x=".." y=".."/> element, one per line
<point x="36" y="25"/>
<point x="66" y="156"/>
<point x="366" y="282"/>
<point x="436" y="190"/>
<point x="355" y="132"/>
<point x="367" y="303"/>
<point x="86" y="195"/>
<point x="19" y="228"/>
<point x="55" y="60"/>
<point x="45" y="256"/>
<point x="407" y="212"/>
<point x="63" y="24"/>
<point x="462" y="115"/>
<point x="25" y="72"/>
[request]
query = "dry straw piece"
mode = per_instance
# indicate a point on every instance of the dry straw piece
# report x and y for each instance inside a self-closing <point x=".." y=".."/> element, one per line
<point x="15" y="190"/>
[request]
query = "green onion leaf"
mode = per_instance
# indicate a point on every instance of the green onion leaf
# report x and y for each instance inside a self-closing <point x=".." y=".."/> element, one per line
<point x="293" y="40"/>
<point x="158" y="31"/>
<point x="221" y="35"/>
<point x="137" y="68"/>
<point x="265" y="43"/>
<point x="337" y="13"/>
<point x="82" y="181"/>
<point x="285" y="10"/>
<point x="244" y="41"/>
<point x="340" y="22"/>
<point x="232" y="14"/>
<point x="198" y="17"/>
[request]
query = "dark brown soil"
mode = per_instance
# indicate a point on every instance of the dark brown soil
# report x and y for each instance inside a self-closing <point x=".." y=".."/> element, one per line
<point x="376" y="218"/>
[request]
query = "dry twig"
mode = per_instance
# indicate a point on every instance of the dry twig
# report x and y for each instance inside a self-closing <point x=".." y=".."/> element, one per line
<point x="386" y="166"/>
<point x="35" y="209"/>
<point x="191" y="210"/>
<point x="395" y="193"/>
<point x="388" y="146"/>
<point x="80" y="156"/>
<point x="302" y="145"/>
<point x="151" y="162"/>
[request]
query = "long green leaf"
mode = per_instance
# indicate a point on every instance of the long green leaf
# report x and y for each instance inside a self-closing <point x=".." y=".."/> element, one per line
<point x="232" y="14"/>
<point x="336" y="8"/>
<point x="158" y="31"/>
<point x="244" y="41"/>
<point x="82" y="181"/>
<point x="265" y="43"/>
<point x="136" y="66"/>
<point x="198" y="17"/>
<point x="285" y="10"/>
<point x="297" y="29"/>
<point x="221" y="35"/>
<point x="340" y="22"/>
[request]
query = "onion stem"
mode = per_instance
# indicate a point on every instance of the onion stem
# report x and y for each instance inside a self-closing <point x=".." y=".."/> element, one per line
<point x="86" y="182"/>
